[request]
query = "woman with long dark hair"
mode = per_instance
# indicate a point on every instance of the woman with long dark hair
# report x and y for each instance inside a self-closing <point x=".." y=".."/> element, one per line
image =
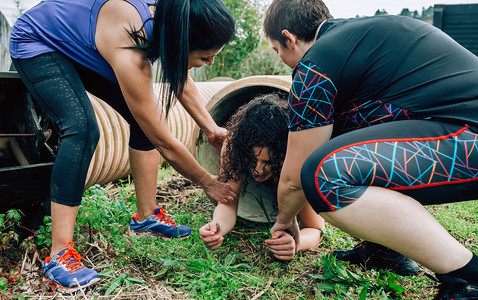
<point x="60" y="48"/>
<point x="255" y="148"/>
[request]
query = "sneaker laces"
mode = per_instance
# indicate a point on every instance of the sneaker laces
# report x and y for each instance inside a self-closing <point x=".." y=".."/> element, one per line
<point x="164" y="218"/>
<point x="71" y="259"/>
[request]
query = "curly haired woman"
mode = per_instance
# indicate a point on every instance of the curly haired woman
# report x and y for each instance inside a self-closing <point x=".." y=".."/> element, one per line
<point x="256" y="147"/>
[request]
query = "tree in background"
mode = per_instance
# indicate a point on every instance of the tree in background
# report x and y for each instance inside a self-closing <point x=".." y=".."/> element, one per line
<point x="381" y="12"/>
<point x="20" y="9"/>
<point x="248" y="53"/>
<point x="426" y="13"/>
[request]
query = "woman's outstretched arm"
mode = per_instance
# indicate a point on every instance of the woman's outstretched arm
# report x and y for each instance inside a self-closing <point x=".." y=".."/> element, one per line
<point x="224" y="217"/>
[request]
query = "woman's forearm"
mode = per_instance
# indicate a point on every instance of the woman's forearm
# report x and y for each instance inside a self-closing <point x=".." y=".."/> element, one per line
<point x="192" y="102"/>
<point x="225" y="215"/>
<point x="309" y="238"/>
<point x="182" y="161"/>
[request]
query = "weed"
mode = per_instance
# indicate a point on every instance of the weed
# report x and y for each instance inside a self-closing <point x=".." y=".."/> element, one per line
<point x="43" y="236"/>
<point x="124" y="282"/>
<point x="338" y="279"/>
<point x="207" y="278"/>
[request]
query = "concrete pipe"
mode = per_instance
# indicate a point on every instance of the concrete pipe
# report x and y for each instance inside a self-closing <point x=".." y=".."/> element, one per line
<point x="256" y="203"/>
<point x="110" y="161"/>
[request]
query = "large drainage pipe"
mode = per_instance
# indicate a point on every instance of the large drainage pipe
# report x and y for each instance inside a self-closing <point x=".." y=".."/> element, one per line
<point x="257" y="203"/>
<point x="110" y="161"/>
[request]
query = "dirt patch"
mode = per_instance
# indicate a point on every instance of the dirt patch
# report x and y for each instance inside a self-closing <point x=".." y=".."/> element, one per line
<point x="177" y="188"/>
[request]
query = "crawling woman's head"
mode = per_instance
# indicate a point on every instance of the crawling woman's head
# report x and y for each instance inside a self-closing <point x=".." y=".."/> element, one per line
<point x="257" y="139"/>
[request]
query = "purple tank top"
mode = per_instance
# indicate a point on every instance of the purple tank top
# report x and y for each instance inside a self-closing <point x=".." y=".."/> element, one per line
<point x="68" y="26"/>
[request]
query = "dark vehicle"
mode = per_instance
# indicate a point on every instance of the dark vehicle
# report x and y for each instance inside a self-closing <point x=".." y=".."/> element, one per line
<point x="28" y="142"/>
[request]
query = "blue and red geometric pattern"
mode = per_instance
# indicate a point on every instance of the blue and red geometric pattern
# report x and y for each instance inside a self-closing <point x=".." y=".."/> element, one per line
<point x="311" y="98"/>
<point x="358" y="114"/>
<point x="397" y="164"/>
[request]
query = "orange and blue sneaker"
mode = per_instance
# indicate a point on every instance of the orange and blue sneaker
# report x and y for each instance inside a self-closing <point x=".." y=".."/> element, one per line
<point x="158" y="224"/>
<point x="67" y="272"/>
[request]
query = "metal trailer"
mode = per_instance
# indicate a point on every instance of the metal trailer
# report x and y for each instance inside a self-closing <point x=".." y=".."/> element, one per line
<point x="28" y="141"/>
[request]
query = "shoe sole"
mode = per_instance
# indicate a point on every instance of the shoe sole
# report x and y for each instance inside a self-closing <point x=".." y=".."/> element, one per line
<point x="147" y="233"/>
<point x="64" y="289"/>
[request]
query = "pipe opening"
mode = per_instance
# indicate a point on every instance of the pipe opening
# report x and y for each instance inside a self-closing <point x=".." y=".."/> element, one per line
<point x="257" y="203"/>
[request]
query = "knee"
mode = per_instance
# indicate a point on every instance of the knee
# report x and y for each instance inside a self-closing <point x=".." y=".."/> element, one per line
<point x="313" y="181"/>
<point x="138" y="140"/>
<point x="311" y="173"/>
<point x="93" y="135"/>
<point x="84" y="134"/>
<point x="308" y="175"/>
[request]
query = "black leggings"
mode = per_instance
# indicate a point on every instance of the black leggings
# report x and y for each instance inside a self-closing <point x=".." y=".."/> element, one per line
<point x="58" y="84"/>
<point x="431" y="161"/>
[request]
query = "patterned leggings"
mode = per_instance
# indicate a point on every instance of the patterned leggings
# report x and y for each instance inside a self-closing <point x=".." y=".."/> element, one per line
<point x="431" y="161"/>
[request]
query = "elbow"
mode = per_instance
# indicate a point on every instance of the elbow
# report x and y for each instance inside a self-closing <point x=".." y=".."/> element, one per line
<point x="310" y="238"/>
<point x="291" y="183"/>
<point x="167" y="148"/>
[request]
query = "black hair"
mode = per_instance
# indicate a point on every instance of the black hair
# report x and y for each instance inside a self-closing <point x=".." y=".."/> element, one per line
<point x="181" y="26"/>
<point x="262" y="122"/>
<point x="300" y="17"/>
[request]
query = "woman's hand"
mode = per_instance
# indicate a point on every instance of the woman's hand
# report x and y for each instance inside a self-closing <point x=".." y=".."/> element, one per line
<point x="217" y="137"/>
<point x="282" y="245"/>
<point x="291" y="227"/>
<point x="211" y="235"/>
<point x="220" y="191"/>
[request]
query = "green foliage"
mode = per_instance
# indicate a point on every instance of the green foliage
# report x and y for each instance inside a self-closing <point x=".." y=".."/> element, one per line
<point x="247" y="14"/>
<point x="247" y="54"/>
<point x="381" y="12"/>
<point x="206" y="278"/>
<point x="8" y="223"/>
<point x="101" y="213"/>
<point x="123" y="281"/>
<point x="43" y="236"/>
<point x="425" y="14"/>
<point x="337" y="278"/>
<point x="3" y="283"/>
<point x="14" y="216"/>
<point x="388" y="282"/>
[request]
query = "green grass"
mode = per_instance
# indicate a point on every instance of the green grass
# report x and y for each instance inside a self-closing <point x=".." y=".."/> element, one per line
<point x="242" y="268"/>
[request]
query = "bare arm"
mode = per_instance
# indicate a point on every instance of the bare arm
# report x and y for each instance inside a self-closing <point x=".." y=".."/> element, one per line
<point x="224" y="217"/>
<point x="226" y="214"/>
<point x="135" y="77"/>
<point x="193" y="104"/>
<point x="222" y="223"/>
<point x="291" y="198"/>
<point x="311" y="228"/>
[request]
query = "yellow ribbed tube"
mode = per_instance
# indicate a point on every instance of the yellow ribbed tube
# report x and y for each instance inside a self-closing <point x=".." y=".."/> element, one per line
<point x="110" y="161"/>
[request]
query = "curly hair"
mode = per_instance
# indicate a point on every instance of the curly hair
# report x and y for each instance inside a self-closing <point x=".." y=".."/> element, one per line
<point x="262" y="122"/>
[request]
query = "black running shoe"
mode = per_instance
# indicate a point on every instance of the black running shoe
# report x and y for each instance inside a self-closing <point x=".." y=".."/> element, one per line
<point x="374" y="256"/>
<point x="454" y="288"/>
